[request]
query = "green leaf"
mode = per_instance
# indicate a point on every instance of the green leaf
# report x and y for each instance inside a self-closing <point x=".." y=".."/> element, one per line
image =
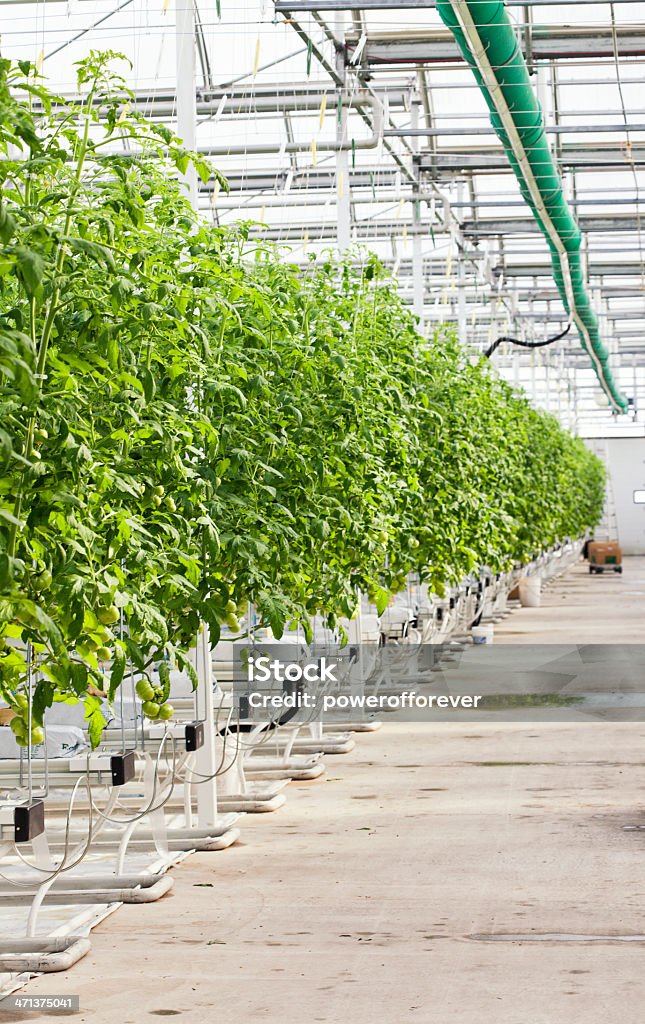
<point x="274" y="613"/>
<point x="95" y="720"/>
<point x="182" y="159"/>
<point x="186" y="665"/>
<point x="382" y="600"/>
<point x="43" y="698"/>
<point x="95" y="250"/>
<point x="30" y="267"/>
<point x="148" y="382"/>
<point x="117" y="673"/>
<point x="79" y="677"/>
<point x="7" y="224"/>
<point x="164" y="678"/>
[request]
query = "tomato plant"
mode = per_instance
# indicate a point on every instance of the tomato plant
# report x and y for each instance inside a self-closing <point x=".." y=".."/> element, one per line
<point x="189" y="422"/>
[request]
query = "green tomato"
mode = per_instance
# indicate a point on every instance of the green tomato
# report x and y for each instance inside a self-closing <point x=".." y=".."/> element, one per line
<point x="37" y="736"/>
<point x="151" y="709"/>
<point x="145" y="690"/>
<point x="170" y="504"/>
<point x="18" y="726"/>
<point x="43" y="580"/>
<point x="159" y="491"/>
<point x="156" y="501"/>
<point x="231" y="608"/>
<point x="382" y="537"/>
<point x="166" y="711"/>
<point x="86" y="648"/>
<point x="233" y="623"/>
<point x="108" y="616"/>
<point x="104" y="653"/>
<point x="21" y="700"/>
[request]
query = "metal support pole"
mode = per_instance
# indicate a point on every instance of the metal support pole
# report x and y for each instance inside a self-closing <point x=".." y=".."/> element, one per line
<point x="547" y="373"/>
<point x="205" y="758"/>
<point x="461" y="277"/>
<point x="343" y="195"/>
<point x="417" y="255"/>
<point x="186" y="95"/>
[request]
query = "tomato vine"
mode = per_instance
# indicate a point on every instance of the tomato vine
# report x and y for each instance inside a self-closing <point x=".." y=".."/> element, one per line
<point x="189" y="422"/>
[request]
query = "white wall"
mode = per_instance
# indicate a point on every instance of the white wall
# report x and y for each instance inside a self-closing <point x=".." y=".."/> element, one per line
<point x="625" y="460"/>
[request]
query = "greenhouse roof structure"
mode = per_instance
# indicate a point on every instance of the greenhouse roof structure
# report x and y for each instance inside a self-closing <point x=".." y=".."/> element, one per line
<point x="347" y="123"/>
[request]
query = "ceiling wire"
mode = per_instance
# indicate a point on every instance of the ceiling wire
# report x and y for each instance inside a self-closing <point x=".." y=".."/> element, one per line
<point x="90" y="28"/>
<point x="202" y="49"/>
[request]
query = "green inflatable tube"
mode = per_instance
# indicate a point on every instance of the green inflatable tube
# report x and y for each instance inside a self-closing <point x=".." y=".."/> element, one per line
<point x="487" y="39"/>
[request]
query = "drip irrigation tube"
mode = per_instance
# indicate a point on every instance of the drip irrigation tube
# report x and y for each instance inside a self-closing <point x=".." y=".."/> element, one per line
<point x="487" y="39"/>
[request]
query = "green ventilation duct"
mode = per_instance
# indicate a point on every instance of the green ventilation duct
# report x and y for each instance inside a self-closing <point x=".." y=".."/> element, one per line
<point x="487" y="39"/>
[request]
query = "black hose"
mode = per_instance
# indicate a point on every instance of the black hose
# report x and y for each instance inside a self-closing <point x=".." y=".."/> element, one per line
<point x="274" y="723"/>
<point x="526" y="344"/>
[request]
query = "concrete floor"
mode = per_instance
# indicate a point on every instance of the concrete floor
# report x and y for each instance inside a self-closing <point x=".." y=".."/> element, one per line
<point x="580" y="608"/>
<point x="362" y="899"/>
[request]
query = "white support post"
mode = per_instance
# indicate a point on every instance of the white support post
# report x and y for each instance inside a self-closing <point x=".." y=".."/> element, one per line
<point x="547" y="375"/>
<point x="186" y="97"/>
<point x="343" y="194"/>
<point x="417" y="272"/>
<point x="343" y="199"/>
<point x="355" y="639"/>
<point x="417" y="255"/>
<point x="206" y="757"/>
<point x="461" y="275"/>
<point x="544" y="92"/>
